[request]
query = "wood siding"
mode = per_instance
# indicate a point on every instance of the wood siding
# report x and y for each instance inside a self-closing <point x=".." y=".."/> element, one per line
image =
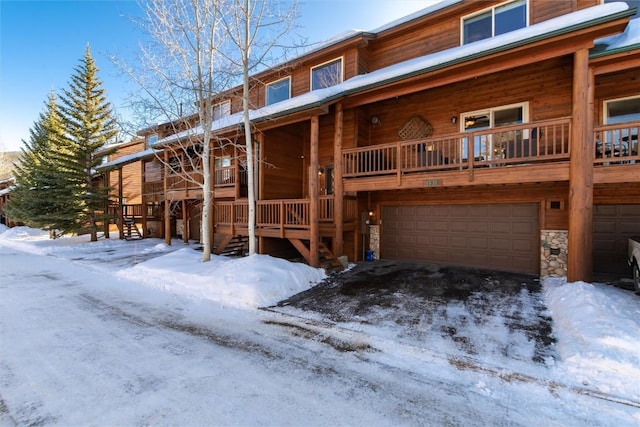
<point x="282" y="151"/>
<point x="131" y="174"/>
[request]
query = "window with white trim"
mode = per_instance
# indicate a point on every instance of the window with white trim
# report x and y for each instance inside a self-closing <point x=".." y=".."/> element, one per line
<point x="494" y="21"/>
<point x="622" y="110"/>
<point x="277" y="91"/>
<point x="221" y="110"/>
<point x="327" y="74"/>
<point x="483" y="145"/>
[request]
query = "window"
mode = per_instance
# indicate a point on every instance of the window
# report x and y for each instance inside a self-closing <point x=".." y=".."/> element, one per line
<point x="222" y="162"/>
<point x="152" y="139"/>
<point x="327" y="74"/>
<point x="494" y="21"/>
<point x="622" y="140"/>
<point x="278" y="91"/>
<point x="221" y="110"/>
<point x="483" y="145"/>
<point x="622" y="110"/>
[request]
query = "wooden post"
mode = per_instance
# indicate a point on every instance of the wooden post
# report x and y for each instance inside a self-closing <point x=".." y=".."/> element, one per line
<point x="314" y="196"/>
<point x="120" y="205"/>
<point x="143" y="197"/>
<point x="212" y="179"/>
<point x="167" y="202"/>
<point x="107" y="218"/>
<point x="338" y="187"/>
<point x="185" y="222"/>
<point x="580" y="244"/>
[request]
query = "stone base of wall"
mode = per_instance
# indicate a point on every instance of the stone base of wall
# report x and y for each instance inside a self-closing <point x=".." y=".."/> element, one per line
<point x="553" y="253"/>
<point x="374" y="240"/>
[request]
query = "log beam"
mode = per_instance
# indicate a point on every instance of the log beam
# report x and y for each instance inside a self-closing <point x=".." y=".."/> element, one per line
<point x="338" y="187"/>
<point x="580" y="244"/>
<point x="314" y="195"/>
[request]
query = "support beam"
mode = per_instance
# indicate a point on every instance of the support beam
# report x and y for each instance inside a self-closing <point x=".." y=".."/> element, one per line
<point x="314" y="195"/>
<point x="143" y="197"/>
<point x="120" y="205"/>
<point x="167" y="202"/>
<point x="580" y="250"/>
<point x="185" y="222"/>
<point x="338" y="187"/>
<point x="107" y="219"/>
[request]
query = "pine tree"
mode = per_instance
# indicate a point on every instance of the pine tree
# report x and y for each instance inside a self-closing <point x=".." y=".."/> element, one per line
<point x="89" y="125"/>
<point x="41" y="197"/>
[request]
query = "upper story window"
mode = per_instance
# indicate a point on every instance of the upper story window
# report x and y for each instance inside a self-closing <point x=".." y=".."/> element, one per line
<point x="622" y="110"/>
<point x="327" y="74"/>
<point x="222" y="109"/>
<point x="152" y="139"/>
<point x="278" y="91"/>
<point x="494" y="21"/>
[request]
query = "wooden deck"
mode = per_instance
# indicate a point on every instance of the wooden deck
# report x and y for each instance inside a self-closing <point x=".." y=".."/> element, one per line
<point x="531" y="152"/>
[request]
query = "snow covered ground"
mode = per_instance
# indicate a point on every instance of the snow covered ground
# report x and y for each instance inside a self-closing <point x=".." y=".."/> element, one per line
<point x="129" y="333"/>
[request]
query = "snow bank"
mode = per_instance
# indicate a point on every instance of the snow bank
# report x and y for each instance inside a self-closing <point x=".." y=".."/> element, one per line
<point x="598" y="332"/>
<point x="249" y="282"/>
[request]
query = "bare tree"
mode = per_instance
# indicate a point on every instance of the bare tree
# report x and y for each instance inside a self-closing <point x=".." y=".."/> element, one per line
<point x="255" y="29"/>
<point x="181" y="73"/>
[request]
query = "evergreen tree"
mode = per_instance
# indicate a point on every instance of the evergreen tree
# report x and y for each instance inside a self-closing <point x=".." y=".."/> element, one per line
<point x="42" y="196"/>
<point x="89" y="125"/>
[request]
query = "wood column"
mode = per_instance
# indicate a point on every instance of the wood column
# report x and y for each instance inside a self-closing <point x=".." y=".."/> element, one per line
<point x="338" y="187"/>
<point x="212" y="207"/>
<point x="120" y="206"/>
<point x="167" y="202"/>
<point x="107" y="217"/>
<point x="185" y="222"/>
<point x="314" y="195"/>
<point x="143" y="198"/>
<point x="580" y="245"/>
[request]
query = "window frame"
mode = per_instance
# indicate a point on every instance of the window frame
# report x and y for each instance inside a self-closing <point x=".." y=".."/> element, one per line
<point x="221" y="109"/>
<point x="266" y="90"/>
<point x="606" y="102"/>
<point x="491" y="114"/>
<point x="324" y="64"/>
<point x="492" y="9"/>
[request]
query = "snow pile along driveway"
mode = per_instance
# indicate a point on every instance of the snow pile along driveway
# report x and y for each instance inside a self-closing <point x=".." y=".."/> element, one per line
<point x="598" y="331"/>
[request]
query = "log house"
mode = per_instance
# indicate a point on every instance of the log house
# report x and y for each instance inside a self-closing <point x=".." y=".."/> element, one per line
<point x="494" y="134"/>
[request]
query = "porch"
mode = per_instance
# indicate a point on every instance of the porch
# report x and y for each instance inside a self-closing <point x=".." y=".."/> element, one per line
<point x="489" y="156"/>
<point x="284" y="218"/>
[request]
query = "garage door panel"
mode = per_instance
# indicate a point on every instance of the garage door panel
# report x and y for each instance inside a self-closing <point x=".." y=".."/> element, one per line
<point x="499" y="236"/>
<point x="612" y="227"/>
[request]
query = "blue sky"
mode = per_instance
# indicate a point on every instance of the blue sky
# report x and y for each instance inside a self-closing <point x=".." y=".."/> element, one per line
<point x="41" y="42"/>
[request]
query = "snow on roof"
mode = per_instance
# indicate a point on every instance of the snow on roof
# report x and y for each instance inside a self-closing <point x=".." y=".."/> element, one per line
<point x="417" y="14"/>
<point x="120" y="161"/>
<point x="6" y="190"/>
<point x="630" y="39"/>
<point x="412" y="67"/>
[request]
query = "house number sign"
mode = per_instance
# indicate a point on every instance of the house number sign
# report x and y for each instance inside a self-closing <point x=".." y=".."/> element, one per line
<point x="433" y="183"/>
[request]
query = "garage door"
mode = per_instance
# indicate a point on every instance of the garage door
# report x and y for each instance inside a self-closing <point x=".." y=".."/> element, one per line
<point x="495" y="236"/>
<point x="612" y="227"/>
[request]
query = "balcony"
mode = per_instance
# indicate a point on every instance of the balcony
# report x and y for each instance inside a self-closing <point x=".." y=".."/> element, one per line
<point x="488" y="156"/>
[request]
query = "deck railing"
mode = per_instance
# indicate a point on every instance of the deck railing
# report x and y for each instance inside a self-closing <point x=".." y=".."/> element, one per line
<point x="541" y="141"/>
<point x="617" y="144"/>
<point x="281" y="214"/>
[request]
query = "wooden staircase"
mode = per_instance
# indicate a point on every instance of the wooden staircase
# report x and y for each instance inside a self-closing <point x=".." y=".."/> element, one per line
<point x="232" y="245"/>
<point x="328" y="260"/>
<point x="131" y="231"/>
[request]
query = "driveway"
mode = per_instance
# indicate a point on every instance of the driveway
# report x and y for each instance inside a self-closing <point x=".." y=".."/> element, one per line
<point x="485" y="315"/>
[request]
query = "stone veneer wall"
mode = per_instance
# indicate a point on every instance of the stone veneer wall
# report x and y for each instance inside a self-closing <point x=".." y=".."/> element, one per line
<point x="374" y="240"/>
<point x="553" y="253"/>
